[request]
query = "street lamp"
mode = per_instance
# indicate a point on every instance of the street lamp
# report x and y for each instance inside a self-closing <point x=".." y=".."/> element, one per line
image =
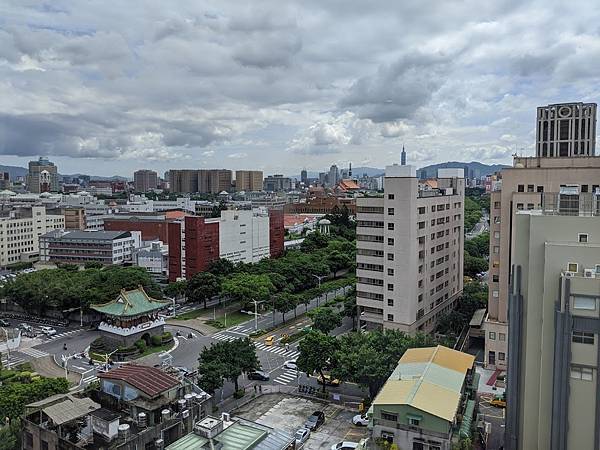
<point x="256" y="314"/>
<point x="320" y="277"/>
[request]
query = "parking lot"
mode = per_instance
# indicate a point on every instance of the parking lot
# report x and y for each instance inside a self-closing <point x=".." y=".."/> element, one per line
<point x="289" y="414"/>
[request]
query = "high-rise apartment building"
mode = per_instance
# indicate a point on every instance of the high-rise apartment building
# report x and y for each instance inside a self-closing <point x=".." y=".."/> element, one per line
<point x="20" y="229"/>
<point x="275" y="183"/>
<point x="334" y="175"/>
<point x="4" y="180"/>
<point x="566" y="129"/>
<point x="248" y="180"/>
<point x="410" y="250"/>
<point x="183" y="180"/>
<point x="304" y="177"/>
<point x="553" y="394"/>
<point x="521" y="189"/>
<point x="145" y="180"/>
<point x="42" y="176"/>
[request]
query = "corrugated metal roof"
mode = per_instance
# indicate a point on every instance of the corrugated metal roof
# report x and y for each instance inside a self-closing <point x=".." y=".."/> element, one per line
<point x="70" y="408"/>
<point x="240" y="437"/>
<point x="191" y="441"/>
<point x="429" y="379"/>
<point x="477" y="318"/>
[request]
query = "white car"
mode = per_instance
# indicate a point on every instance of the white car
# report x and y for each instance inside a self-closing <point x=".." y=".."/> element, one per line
<point x="360" y="420"/>
<point x="291" y="364"/>
<point x="345" y="445"/>
<point x="302" y="435"/>
<point x="48" y="331"/>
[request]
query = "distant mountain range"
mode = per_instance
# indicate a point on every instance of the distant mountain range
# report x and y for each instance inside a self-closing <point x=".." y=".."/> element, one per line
<point x="14" y="171"/>
<point x="476" y="169"/>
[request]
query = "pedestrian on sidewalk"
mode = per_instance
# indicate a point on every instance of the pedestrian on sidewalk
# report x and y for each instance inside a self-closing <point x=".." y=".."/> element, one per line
<point x="255" y="389"/>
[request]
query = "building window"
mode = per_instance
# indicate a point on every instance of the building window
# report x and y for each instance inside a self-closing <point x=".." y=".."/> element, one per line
<point x="391" y="272"/>
<point x="502" y="337"/>
<point x="390" y="211"/>
<point x="390" y="302"/>
<point x="414" y="422"/>
<point x="420" y="298"/>
<point x="389" y="416"/>
<point x="587" y="303"/>
<point x="521" y="188"/>
<point x="573" y="267"/>
<point x="390" y="241"/>
<point x="530" y="187"/>
<point x="492" y="335"/>
<point x="495" y="294"/>
<point x="520" y="206"/>
<point x="495" y="278"/>
<point x="390" y="287"/>
<point x="390" y="226"/>
<point x="496" y="234"/>
<point x="581" y="337"/>
<point x="501" y="356"/>
<point x="390" y="318"/>
<point x="582" y="373"/>
<point x="583" y="237"/>
<point x="390" y="256"/>
<point x="540" y="188"/>
<point x="390" y="196"/>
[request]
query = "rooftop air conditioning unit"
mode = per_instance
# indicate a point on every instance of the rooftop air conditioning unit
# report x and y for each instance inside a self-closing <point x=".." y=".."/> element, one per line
<point x="589" y="273"/>
<point x="569" y="274"/>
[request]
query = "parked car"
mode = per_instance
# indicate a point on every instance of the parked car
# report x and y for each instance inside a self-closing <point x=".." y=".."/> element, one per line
<point x="48" y="331"/>
<point x="499" y="401"/>
<point x="4" y="323"/>
<point x="360" y="420"/>
<point x="259" y="375"/>
<point x="328" y="381"/>
<point x="291" y="364"/>
<point x="302" y="435"/>
<point x="345" y="445"/>
<point x="315" y="420"/>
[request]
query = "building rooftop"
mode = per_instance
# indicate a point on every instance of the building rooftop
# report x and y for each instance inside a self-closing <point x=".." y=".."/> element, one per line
<point x="150" y="380"/>
<point x="69" y="409"/>
<point x="429" y="379"/>
<point x="130" y="304"/>
<point x="87" y="235"/>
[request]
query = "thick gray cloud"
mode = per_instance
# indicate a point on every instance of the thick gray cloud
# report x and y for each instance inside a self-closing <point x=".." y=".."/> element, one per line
<point x="278" y="85"/>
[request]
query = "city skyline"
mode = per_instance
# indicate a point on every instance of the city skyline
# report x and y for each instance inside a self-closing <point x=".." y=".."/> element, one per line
<point x="284" y="86"/>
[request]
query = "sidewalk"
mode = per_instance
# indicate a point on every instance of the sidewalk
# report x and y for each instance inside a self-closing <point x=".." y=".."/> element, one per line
<point x="46" y="367"/>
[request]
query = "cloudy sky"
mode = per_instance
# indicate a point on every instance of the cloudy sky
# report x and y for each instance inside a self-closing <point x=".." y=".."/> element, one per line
<point x="107" y="87"/>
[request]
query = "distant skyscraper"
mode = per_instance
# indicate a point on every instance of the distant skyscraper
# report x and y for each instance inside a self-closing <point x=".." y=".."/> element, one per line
<point x="42" y="176"/>
<point x="304" y="176"/>
<point x="350" y="170"/>
<point x="145" y="180"/>
<point x="403" y="157"/>
<point x="334" y="175"/>
<point x="566" y="129"/>
<point x="4" y="180"/>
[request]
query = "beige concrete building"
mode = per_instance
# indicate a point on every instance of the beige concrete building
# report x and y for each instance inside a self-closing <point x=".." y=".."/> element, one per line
<point x="566" y="129"/>
<point x="410" y="250"/>
<point x="248" y="180"/>
<point x="553" y="395"/>
<point x="522" y="188"/>
<point x="184" y="180"/>
<point x="204" y="180"/>
<point x="145" y="180"/>
<point x="20" y="230"/>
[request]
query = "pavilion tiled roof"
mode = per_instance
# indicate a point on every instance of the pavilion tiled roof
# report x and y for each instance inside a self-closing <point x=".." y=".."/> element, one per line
<point x="130" y="304"/>
<point x="150" y="380"/>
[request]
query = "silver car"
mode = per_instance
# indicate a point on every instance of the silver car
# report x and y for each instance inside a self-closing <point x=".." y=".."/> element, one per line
<point x="302" y="435"/>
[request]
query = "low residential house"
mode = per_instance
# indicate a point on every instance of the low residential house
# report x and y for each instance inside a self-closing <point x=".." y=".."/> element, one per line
<point x="428" y="402"/>
<point x="136" y="407"/>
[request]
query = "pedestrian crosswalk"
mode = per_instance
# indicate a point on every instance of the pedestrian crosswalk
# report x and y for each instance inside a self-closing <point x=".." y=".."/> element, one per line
<point x="14" y="360"/>
<point x="282" y="351"/>
<point x="89" y="379"/>
<point x="65" y="334"/>
<point x="287" y="377"/>
<point x="33" y="352"/>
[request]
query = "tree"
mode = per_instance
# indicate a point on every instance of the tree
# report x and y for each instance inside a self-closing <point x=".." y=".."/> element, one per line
<point x="176" y="289"/>
<point x="350" y="307"/>
<point x="316" y="350"/>
<point x="221" y="267"/>
<point x="9" y="436"/>
<point x="314" y="241"/>
<point x="226" y="360"/>
<point x="474" y="265"/>
<point x="325" y="319"/>
<point x="14" y="396"/>
<point x="246" y="288"/>
<point x="202" y="287"/>
<point x="285" y="302"/>
<point x="369" y="358"/>
<point x="92" y="265"/>
<point x="336" y="261"/>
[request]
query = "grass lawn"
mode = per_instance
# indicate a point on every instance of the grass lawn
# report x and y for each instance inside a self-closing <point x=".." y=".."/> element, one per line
<point x="233" y="318"/>
<point x="192" y="314"/>
<point x="149" y="350"/>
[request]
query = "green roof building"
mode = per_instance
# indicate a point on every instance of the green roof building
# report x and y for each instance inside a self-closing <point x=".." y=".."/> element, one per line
<point x="133" y="315"/>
